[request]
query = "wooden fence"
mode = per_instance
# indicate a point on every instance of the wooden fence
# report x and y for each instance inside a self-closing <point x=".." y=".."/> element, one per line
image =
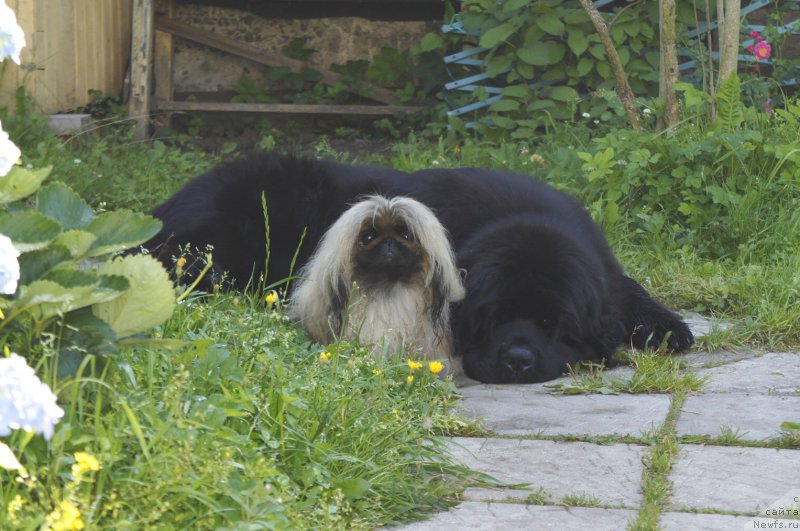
<point x="72" y="46"/>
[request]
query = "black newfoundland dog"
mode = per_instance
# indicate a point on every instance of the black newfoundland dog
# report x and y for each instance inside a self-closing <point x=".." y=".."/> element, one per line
<point x="543" y="288"/>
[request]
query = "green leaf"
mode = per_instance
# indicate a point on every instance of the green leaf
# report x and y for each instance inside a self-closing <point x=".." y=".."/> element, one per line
<point x="78" y="242"/>
<point x="104" y="288"/>
<point x="575" y="17"/>
<point x="59" y="202"/>
<point x="498" y="34"/>
<point x="21" y="182"/>
<point x="46" y="298"/>
<point x="514" y="5"/>
<point x="551" y="24"/>
<point x="577" y="41"/>
<point x="502" y="121"/>
<point x="353" y="488"/>
<point x="538" y="105"/>
<point x="543" y="53"/>
<point x="29" y="230"/>
<point x="120" y="230"/>
<point x="431" y="41"/>
<point x="504" y="105"/>
<point x="564" y="94"/>
<point x="516" y="91"/>
<point x="585" y="66"/>
<point x="787" y="425"/>
<point x="598" y="52"/>
<point x="149" y="301"/>
<point x="603" y="69"/>
<point x="730" y="111"/>
<point x="35" y="264"/>
<point x="498" y="64"/>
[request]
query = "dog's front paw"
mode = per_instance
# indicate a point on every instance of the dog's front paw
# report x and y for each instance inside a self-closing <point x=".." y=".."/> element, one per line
<point x="669" y="331"/>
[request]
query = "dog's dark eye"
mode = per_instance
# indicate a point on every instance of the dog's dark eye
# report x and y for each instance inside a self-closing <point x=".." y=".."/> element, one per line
<point x="404" y="232"/>
<point x="545" y="322"/>
<point x="367" y="236"/>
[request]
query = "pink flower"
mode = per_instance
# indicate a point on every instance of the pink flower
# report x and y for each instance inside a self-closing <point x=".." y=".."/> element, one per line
<point x="755" y="34"/>
<point x="762" y="50"/>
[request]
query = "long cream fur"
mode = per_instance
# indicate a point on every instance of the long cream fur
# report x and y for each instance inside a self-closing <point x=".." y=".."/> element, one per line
<point x="399" y="319"/>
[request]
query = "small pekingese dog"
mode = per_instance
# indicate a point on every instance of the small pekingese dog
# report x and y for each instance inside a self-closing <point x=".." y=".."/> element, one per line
<point x="384" y="275"/>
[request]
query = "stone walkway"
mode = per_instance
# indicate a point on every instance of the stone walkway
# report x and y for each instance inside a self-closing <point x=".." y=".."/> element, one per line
<point x="576" y="483"/>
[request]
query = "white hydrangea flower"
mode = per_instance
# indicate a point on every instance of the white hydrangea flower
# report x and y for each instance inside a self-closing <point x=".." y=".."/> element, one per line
<point x="25" y="402"/>
<point x="12" y="38"/>
<point x="9" y="152"/>
<point x="9" y="266"/>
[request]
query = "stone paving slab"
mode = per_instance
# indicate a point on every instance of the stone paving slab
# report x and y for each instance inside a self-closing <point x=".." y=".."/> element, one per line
<point x="752" y="417"/>
<point x="610" y="473"/>
<point x="701" y="325"/>
<point x="701" y="360"/>
<point x="513" y="410"/>
<point x="732" y="479"/>
<point x="705" y="522"/>
<point x="773" y="373"/>
<point x="509" y="516"/>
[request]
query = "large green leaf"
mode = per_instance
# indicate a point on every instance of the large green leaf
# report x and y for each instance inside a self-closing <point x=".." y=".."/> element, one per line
<point x="82" y="333"/>
<point x="21" y="182"/>
<point x="149" y="301"/>
<point x="585" y="66"/>
<point x="58" y="201"/>
<point x="577" y="41"/>
<point x="78" y="242"/>
<point x="542" y="53"/>
<point x="46" y="298"/>
<point x="564" y="94"/>
<point x="35" y="264"/>
<point x="551" y="24"/>
<point x="430" y="42"/>
<point x="505" y="105"/>
<point x="29" y="230"/>
<point x="120" y="230"/>
<point x="498" y="34"/>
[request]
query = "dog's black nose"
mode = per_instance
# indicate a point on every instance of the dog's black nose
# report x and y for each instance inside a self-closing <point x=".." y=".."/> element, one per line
<point x="518" y="358"/>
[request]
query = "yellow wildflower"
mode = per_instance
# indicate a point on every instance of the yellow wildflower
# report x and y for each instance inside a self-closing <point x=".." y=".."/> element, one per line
<point x="271" y="298"/>
<point x="14" y="507"/>
<point x="324" y="356"/>
<point x="181" y="263"/>
<point x="66" y="518"/>
<point x="377" y="372"/>
<point x="84" y="462"/>
<point x="2" y="315"/>
<point x="435" y="367"/>
<point x="410" y="379"/>
<point x="414" y="365"/>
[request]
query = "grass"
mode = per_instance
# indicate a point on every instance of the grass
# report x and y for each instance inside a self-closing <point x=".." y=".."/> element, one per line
<point x="245" y="424"/>
<point x="227" y="417"/>
<point x="652" y="373"/>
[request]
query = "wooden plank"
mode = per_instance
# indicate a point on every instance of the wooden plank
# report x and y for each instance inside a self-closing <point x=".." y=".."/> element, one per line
<point x="141" y="60"/>
<point x="367" y="110"/>
<point x="232" y="46"/>
<point x="162" y="67"/>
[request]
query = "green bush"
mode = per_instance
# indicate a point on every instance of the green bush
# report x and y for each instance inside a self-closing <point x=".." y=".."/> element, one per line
<point x="69" y="288"/>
